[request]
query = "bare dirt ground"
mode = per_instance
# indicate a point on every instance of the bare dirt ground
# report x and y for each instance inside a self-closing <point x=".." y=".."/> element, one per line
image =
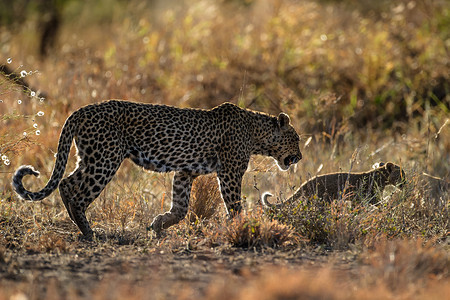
<point x="83" y="271"/>
<point x="364" y="82"/>
<point x="72" y="267"/>
<point x="63" y="265"/>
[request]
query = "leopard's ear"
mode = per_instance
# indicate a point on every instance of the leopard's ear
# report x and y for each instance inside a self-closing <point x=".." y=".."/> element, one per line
<point x="283" y="120"/>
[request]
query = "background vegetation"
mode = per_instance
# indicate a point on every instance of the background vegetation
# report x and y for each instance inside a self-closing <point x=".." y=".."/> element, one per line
<point x="363" y="82"/>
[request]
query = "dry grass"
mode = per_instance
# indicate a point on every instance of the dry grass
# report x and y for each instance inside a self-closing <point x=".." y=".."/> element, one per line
<point x="362" y="82"/>
<point x="399" y="264"/>
<point x="409" y="213"/>
<point x="205" y="198"/>
<point x="256" y="231"/>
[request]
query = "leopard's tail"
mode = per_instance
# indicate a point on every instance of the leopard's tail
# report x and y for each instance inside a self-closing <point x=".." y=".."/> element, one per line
<point x="65" y="141"/>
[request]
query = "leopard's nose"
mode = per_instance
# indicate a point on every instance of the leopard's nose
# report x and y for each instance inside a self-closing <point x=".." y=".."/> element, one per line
<point x="292" y="159"/>
<point x="295" y="159"/>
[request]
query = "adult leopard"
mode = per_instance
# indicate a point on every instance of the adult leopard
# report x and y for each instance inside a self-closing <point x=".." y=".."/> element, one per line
<point x="162" y="138"/>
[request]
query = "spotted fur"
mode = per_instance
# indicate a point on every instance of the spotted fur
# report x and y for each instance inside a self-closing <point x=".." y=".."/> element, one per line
<point x="190" y="142"/>
<point x="334" y="186"/>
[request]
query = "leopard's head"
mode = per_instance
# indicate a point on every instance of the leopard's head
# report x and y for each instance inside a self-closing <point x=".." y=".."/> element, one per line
<point x="285" y="148"/>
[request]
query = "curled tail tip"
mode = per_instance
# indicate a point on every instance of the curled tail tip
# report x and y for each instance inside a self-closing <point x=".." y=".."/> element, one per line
<point x="264" y="200"/>
<point x="17" y="181"/>
<point x="26" y="170"/>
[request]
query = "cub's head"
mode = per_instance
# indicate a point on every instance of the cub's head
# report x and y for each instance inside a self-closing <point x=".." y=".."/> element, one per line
<point x="285" y="148"/>
<point x="393" y="173"/>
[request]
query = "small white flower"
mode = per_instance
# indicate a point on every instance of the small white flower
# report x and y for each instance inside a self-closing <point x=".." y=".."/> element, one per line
<point x="23" y="73"/>
<point x="4" y="157"/>
<point x="41" y="99"/>
<point x="19" y="101"/>
<point x="24" y="133"/>
<point x="40" y="113"/>
<point x="7" y="162"/>
<point x="9" y="60"/>
<point x="35" y="125"/>
<point x="33" y="94"/>
<point x="38" y="132"/>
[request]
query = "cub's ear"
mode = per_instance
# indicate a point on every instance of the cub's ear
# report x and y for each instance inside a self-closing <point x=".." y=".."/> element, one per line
<point x="390" y="167"/>
<point x="283" y="120"/>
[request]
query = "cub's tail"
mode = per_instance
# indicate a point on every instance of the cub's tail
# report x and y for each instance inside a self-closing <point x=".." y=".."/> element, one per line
<point x="267" y="204"/>
<point x="65" y="141"/>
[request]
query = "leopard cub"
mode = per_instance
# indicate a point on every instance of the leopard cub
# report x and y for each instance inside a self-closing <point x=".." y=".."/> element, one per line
<point x="334" y="186"/>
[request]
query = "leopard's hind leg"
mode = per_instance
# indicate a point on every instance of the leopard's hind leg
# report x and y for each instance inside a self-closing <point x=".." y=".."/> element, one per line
<point x="85" y="184"/>
<point x="73" y="200"/>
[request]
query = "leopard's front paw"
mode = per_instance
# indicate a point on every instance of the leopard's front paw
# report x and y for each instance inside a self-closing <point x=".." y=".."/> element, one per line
<point x="163" y="221"/>
<point x="157" y="224"/>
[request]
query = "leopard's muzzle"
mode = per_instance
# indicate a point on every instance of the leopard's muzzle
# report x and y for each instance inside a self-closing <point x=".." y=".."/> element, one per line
<point x="292" y="159"/>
